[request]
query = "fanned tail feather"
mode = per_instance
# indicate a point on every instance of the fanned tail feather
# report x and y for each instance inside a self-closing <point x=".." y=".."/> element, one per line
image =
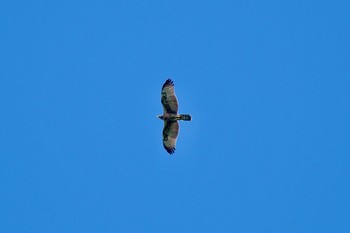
<point x="185" y="117"/>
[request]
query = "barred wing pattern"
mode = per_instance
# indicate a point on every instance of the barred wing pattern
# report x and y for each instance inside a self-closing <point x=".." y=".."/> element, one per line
<point x="170" y="133"/>
<point x="168" y="99"/>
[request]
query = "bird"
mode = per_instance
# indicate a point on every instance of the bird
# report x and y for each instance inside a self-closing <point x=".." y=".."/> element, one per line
<point x="170" y="116"/>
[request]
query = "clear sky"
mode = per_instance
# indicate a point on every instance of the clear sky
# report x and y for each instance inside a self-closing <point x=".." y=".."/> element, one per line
<point x="266" y="82"/>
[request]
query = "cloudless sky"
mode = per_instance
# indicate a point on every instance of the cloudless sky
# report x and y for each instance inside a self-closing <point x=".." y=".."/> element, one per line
<point x="266" y="82"/>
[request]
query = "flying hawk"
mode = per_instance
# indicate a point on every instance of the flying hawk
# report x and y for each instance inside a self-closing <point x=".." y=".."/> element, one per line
<point x="170" y="116"/>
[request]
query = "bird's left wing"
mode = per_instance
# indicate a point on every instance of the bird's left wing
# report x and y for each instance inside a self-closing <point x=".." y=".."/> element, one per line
<point x="170" y="133"/>
<point x="168" y="97"/>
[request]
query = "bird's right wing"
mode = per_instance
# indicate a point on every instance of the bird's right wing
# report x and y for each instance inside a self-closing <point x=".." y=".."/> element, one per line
<point x="168" y="97"/>
<point x="170" y="133"/>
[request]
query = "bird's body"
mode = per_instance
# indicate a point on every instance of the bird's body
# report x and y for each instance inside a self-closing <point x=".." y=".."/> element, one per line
<point x="175" y="117"/>
<point x="170" y="116"/>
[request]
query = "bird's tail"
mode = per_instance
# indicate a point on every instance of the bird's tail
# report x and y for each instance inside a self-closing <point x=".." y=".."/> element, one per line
<point x="185" y="117"/>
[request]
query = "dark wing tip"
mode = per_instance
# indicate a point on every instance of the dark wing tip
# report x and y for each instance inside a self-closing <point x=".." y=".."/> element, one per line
<point x="168" y="82"/>
<point x="170" y="150"/>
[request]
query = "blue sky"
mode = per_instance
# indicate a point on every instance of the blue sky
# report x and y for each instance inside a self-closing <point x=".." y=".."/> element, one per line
<point x="266" y="82"/>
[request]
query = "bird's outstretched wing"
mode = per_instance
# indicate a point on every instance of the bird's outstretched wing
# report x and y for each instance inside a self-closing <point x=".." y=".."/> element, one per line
<point x="170" y="132"/>
<point x="168" y="97"/>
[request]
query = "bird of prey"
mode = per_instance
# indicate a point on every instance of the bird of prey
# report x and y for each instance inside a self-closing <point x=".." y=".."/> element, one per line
<point x="170" y="116"/>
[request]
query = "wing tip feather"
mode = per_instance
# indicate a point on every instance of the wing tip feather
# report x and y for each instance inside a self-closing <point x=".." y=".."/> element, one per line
<point x="170" y="150"/>
<point x="168" y="82"/>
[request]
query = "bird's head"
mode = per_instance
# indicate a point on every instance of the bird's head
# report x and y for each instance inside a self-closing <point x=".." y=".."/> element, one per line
<point x="160" y="116"/>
